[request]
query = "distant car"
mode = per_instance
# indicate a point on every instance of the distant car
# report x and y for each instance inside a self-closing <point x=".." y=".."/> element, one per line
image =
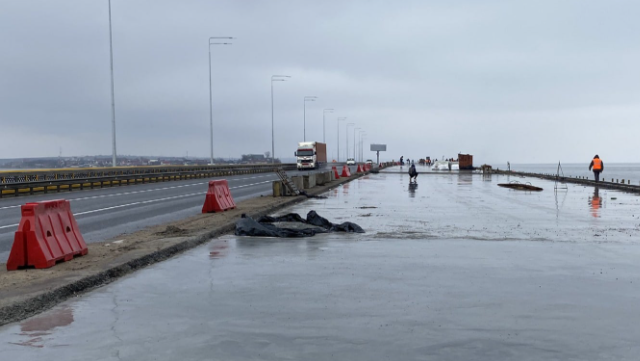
<point x="369" y="161"/>
<point x="351" y="161"/>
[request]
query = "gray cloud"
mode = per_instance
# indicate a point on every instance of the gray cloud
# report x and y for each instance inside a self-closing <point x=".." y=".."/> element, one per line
<point x="535" y="81"/>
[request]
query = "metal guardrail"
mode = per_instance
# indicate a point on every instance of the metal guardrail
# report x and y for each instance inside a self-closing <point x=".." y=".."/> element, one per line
<point x="34" y="175"/>
<point x="44" y="181"/>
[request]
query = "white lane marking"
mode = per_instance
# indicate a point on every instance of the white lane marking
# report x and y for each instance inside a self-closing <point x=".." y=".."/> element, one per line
<point x="147" y="202"/>
<point x="249" y="185"/>
<point x="8" y="207"/>
<point x="141" y="202"/>
<point x="148" y="190"/>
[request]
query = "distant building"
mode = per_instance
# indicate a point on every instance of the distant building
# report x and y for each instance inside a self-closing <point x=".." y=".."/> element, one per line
<point x="253" y="158"/>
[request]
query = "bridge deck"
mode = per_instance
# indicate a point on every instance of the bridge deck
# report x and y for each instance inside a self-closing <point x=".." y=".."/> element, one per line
<point x="453" y="268"/>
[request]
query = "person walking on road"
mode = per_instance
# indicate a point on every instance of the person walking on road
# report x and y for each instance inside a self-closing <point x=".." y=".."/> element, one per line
<point x="598" y="166"/>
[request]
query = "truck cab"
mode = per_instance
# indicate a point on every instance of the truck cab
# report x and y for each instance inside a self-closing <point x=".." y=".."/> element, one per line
<point x="311" y="155"/>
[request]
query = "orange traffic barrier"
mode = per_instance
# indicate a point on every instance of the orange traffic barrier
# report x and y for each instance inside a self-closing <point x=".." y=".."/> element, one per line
<point x="47" y="234"/>
<point x="218" y="197"/>
<point x="345" y="171"/>
<point x="336" y="175"/>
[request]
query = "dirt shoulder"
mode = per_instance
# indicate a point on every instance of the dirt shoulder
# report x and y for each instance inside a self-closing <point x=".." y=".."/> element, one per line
<point x="27" y="292"/>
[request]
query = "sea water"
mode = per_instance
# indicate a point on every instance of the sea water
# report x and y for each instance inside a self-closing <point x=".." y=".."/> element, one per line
<point x="627" y="171"/>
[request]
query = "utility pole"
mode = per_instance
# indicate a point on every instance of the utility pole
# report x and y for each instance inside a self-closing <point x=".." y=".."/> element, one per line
<point x="338" y="124"/>
<point x="210" y="91"/>
<point x="113" y="97"/>
<point x="308" y="98"/>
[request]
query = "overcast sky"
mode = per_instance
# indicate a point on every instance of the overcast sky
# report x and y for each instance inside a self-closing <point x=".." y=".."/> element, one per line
<point x="521" y="81"/>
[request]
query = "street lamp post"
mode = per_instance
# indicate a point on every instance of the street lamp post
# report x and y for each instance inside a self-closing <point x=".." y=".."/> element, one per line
<point x="214" y="38"/>
<point x="354" y="142"/>
<point x="273" y="149"/>
<point x="308" y="98"/>
<point x="360" y="136"/>
<point x="358" y="145"/>
<point x="113" y="99"/>
<point x="347" y="136"/>
<point x="338" y="124"/>
<point x="324" y="111"/>
<point x="362" y="146"/>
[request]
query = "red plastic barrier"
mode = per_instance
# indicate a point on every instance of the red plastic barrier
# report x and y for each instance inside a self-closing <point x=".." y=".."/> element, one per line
<point x="367" y="167"/>
<point x="336" y="175"/>
<point x="359" y="169"/>
<point x="48" y="233"/>
<point x="218" y="197"/>
<point x="345" y="171"/>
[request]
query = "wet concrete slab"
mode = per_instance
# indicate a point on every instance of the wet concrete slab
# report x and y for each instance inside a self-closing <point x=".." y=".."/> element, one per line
<point x="456" y="268"/>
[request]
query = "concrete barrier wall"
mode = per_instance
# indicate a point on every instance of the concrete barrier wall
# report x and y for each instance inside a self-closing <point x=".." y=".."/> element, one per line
<point x="281" y="190"/>
<point x="302" y="182"/>
<point x="297" y="180"/>
<point x="328" y="176"/>
<point x="309" y="181"/>
<point x="324" y="177"/>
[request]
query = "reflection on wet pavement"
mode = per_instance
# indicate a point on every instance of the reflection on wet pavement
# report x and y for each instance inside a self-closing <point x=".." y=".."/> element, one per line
<point x="37" y="328"/>
<point x="460" y="269"/>
<point x="412" y="189"/>
<point x="471" y="206"/>
<point x="218" y="248"/>
<point x="595" y="203"/>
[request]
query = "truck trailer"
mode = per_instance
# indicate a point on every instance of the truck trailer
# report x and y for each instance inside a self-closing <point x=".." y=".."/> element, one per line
<point x="311" y="155"/>
<point x="465" y="161"/>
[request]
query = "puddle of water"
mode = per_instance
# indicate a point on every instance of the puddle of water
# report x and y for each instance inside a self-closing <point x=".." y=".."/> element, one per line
<point x="472" y="206"/>
<point x="218" y="248"/>
<point x="37" y="328"/>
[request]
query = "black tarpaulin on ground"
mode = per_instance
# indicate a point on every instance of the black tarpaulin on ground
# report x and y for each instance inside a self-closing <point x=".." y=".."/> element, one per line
<point x="264" y="227"/>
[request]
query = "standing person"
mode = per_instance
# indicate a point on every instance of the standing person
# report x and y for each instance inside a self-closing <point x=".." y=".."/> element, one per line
<point x="598" y="166"/>
<point x="401" y="160"/>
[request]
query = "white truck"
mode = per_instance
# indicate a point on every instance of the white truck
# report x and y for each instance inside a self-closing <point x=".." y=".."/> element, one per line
<point x="311" y="155"/>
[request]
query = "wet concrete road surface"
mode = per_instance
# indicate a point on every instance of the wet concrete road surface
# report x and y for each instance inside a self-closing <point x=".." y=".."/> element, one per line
<point x="456" y="268"/>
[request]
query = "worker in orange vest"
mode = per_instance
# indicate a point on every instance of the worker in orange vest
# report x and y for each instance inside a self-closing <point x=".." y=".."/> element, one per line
<point x="598" y="166"/>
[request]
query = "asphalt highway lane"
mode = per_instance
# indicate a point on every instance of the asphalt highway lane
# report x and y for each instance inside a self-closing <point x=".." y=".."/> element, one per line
<point x="108" y="212"/>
